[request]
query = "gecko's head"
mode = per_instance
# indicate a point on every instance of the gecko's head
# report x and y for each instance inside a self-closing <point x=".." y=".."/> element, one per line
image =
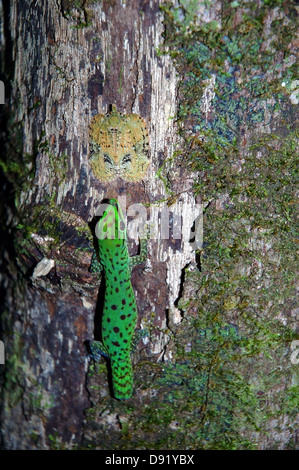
<point x="112" y="224"/>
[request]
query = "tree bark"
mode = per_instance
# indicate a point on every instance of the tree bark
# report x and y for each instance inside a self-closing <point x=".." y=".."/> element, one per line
<point x="66" y="63"/>
<point x="63" y="62"/>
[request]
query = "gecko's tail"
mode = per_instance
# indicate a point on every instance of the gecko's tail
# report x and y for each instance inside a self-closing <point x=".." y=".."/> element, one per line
<point x="122" y="379"/>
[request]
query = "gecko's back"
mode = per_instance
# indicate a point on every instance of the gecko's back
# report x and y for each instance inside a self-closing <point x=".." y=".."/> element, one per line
<point x="120" y="311"/>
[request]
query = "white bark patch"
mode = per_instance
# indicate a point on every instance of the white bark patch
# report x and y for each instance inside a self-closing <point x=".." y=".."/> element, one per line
<point x="43" y="268"/>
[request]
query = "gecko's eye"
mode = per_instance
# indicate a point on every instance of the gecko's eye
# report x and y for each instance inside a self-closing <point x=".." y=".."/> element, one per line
<point x="122" y="225"/>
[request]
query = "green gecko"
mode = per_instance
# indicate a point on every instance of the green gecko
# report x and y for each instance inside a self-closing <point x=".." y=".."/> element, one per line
<point x="120" y="311"/>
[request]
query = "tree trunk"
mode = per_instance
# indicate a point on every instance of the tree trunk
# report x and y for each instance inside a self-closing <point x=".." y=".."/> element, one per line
<point x="66" y="62"/>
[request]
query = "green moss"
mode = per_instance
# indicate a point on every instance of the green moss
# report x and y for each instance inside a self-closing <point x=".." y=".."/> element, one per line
<point x="79" y="12"/>
<point x="13" y="387"/>
<point x="247" y="283"/>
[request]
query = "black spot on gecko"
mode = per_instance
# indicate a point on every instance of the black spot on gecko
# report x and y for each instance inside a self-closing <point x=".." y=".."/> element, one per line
<point x="116" y="329"/>
<point x="123" y="301"/>
<point x="122" y="317"/>
<point x="116" y="289"/>
<point x="114" y="307"/>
